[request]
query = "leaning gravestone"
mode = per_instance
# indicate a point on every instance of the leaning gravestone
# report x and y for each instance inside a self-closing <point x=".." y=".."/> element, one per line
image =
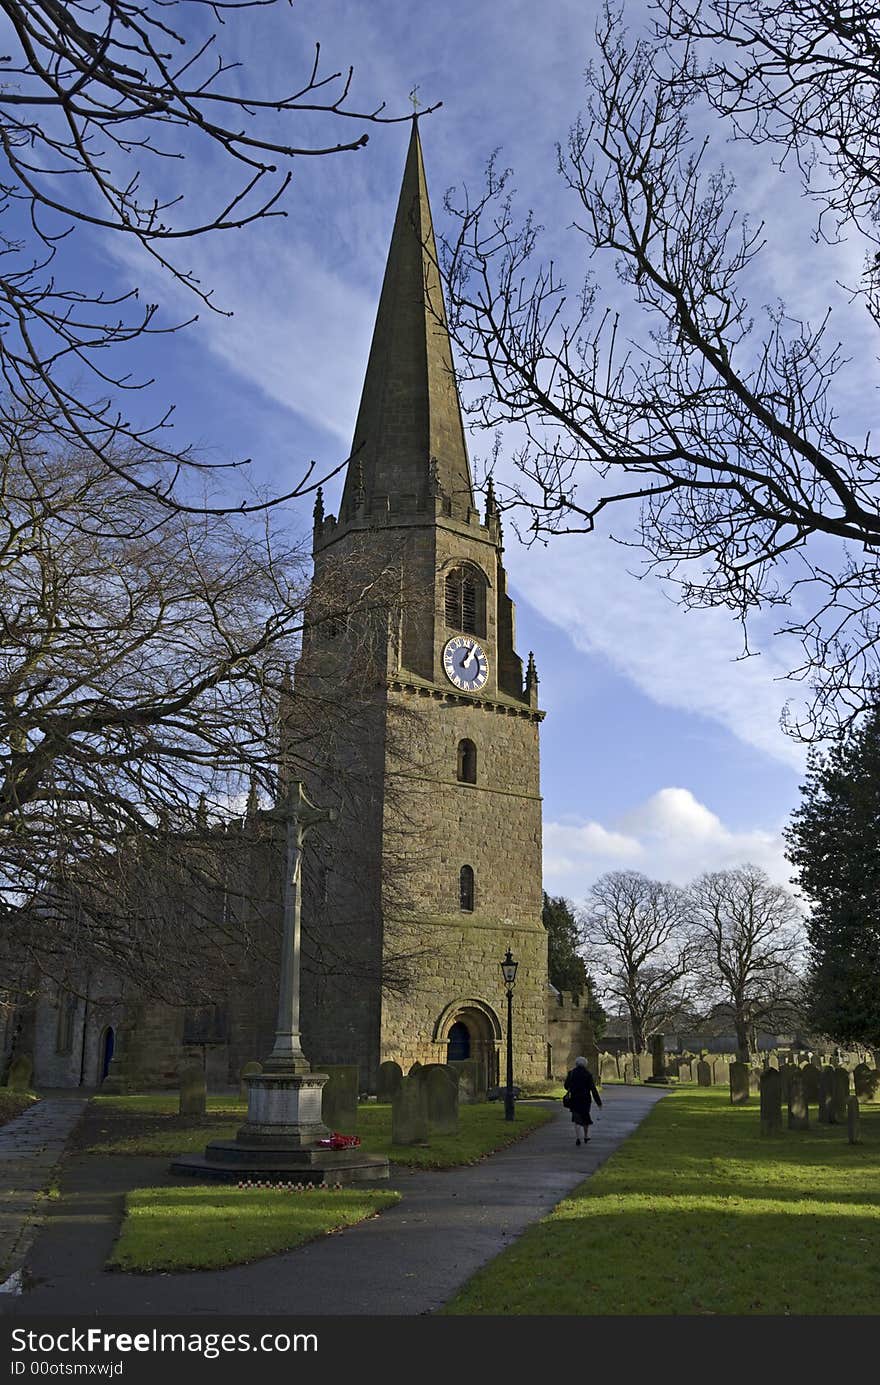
<point x="840" y="1095"/>
<point x="811" y="1083"/>
<point x="608" y="1068"/>
<point x="798" y="1110"/>
<point x="739" y="1083"/>
<point x="866" y="1082"/>
<point x="852" y="1120"/>
<point x="771" y="1102"/>
<point x="389" y="1079"/>
<point x="21" y="1070"/>
<point x="441" y="1099"/>
<point x="409" y="1113"/>
<point x="193" y="1092"/>
<point x="339" y="1097"/>
<point x="704" y="1074"/>
<point x="826" y="1096"/>
<point x="248" y="1070"/>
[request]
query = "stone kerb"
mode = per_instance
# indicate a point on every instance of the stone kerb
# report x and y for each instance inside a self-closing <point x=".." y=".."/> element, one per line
<point x="839" y="1095"/>
<point x="248" y="1070"/>
<point x="798" y="1109"/>
<point x="441" y="1099"/>
<point x="771" y="1102"/>
<point x="21" y="1071"/>
<point x="409" y="1112"/>
<point x="339" y="1097"/>
<point x="193" y="1090"/>
<point x="826" y="1096"/>
<point x="704" y="1074"/>
<point x="738" y="1076"/>
<point x="388" y="1081"/>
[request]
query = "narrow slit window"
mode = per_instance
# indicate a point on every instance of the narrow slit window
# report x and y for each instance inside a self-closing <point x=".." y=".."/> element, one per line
<point x="466" y="890"/>
<point x="467" y="762"/>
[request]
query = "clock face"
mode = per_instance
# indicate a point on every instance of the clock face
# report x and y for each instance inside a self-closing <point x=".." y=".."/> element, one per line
<point x="465" y="663"/>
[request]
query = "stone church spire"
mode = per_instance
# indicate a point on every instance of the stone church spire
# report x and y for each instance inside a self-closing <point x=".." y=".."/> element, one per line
<point x="409" y="444"/>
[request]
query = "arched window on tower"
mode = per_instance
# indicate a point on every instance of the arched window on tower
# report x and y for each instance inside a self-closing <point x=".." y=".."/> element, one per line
<point x="466" y="890"/>
<point x="466" y="601"/>
<point x="467" y="762"/>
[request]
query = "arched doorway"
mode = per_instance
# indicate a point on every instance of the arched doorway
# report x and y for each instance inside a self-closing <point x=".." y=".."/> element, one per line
<point x="105" y="1055"/>
<point x="470" y="1030"/>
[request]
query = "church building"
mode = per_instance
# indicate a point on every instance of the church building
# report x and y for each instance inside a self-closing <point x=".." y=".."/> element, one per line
<point x="455" y="717"/>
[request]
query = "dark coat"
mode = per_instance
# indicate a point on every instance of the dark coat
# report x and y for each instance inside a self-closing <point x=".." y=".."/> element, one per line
<point x="582" y="1087"/>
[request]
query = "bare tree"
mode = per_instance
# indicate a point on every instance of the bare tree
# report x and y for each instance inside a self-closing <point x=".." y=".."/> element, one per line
<point x="104" y="104"/>
<point x="726" y="436"/>
<point x="635" y="929"/>
<point x="145" y="657"/>
<point x="750" y="936"/>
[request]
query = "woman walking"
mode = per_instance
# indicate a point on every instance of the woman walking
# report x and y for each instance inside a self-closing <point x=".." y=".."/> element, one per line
<point x="581" y="1088"/>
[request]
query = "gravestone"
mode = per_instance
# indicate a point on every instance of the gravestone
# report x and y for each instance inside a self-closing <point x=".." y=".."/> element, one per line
<point x="738" y="1077"/>
<point x="720" y="1072"/>
<point x="471" y="1080"/>
<point x="658" y="1059"/>
<point x="416" y="1067"/>
<point x="441" y="1099"/>
<point x="684" y="1072"/>
<point x="193" y="1090"/>
<point x="754" y="1081"/>
<point x="826" y="1096"/>
<point x="21" y="1070"/>
<point x="771" y="1102"/>
<point x="811" y="1084"/>
<point x="339" y="1097"/>
<point x="772" y="1060"/>
<point x="704" y="1074"/>
<point x="629" y="1069"/>
<point x="866" y="1082"/>
<point x="644" y="1065"/>
<point x="248" y="1070"/>
<point x="608" y="1068"/>
<point x="840" y="1096"/>
<point x="798" y="1110"/>
<point x="389" y="1079"/>
<point x="816" y="1062"/>
<point x="785" y="1073"/>
<point x="409" y="1112"/>
<point x="853" y="1130"/>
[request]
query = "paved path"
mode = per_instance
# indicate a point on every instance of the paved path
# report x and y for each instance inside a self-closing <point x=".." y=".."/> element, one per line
<point x="30" y="1147"/>
<point x="409" y="1260"/>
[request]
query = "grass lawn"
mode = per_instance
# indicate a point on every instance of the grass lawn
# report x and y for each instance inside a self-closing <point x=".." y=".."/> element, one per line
<point x="209" y="1227"/>
<point x="159" y="1130"/>
<point x="697" y="1213"/>
<point x="13" y="1103"/>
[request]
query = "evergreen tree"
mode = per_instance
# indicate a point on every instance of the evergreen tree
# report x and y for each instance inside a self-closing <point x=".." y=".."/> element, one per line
<point x="832" y="843"/>
<point x="566" y="968"/>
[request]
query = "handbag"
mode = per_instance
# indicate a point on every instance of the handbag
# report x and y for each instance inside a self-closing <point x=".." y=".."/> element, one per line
<point x="566" y="1100"/>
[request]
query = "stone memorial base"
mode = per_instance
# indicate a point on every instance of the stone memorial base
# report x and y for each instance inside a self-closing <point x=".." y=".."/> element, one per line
<point x="658" y="1081"/>
<point x="280" y="1140"/>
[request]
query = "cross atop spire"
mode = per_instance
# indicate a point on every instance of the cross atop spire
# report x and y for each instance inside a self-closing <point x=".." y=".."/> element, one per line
<point x="409" y="413"/>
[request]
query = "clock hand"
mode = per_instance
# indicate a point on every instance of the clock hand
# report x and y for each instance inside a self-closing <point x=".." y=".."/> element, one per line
<point x="466" y="661"/>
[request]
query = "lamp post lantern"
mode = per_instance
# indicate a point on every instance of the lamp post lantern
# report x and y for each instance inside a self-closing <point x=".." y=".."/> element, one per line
<point x="508" y="971"/>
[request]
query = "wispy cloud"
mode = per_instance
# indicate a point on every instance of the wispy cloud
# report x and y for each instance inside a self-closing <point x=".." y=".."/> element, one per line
<point x="670" y="836"/>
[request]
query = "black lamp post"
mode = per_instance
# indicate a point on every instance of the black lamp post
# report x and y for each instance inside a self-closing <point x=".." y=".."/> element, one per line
<point x="508" y="971"/>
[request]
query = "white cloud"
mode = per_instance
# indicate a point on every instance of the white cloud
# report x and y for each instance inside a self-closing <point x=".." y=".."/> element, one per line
<point x="670" y="836"/>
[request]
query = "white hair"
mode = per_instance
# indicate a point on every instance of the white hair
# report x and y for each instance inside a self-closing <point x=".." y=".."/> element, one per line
<point x="580" y="1062"/>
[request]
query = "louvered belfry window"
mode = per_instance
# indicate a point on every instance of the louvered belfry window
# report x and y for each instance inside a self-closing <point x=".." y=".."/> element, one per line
<point x="465" y="602"/>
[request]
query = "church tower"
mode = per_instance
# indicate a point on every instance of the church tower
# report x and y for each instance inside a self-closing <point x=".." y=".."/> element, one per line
<point x="413" y="715"/>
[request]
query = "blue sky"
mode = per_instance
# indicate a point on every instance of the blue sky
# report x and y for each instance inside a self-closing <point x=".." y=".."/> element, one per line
<point x="661" y="749"/>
